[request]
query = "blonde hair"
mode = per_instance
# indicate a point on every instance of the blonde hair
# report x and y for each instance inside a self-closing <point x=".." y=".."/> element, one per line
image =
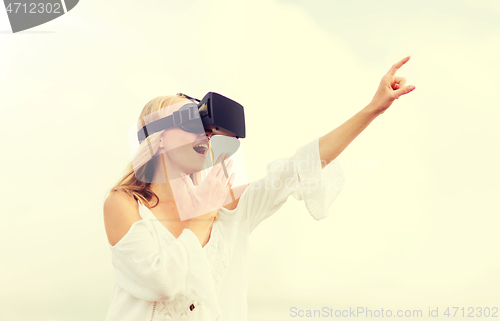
<point x="142" y="165"/>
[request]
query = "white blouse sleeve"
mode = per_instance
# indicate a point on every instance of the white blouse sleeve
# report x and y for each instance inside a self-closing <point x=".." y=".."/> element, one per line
<point x="153" y="269"/>
<point x="300" y="175"/>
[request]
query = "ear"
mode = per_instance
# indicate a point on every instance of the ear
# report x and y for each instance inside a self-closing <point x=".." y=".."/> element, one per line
<point x="162" y="139"/>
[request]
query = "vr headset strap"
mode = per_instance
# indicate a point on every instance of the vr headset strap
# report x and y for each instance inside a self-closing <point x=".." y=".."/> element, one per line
<point x="187" y="112"/>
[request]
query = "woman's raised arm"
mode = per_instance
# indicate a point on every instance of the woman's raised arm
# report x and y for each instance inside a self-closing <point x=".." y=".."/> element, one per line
<point x="390" y="89"/>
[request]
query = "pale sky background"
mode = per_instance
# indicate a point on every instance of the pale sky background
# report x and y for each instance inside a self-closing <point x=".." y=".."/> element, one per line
<point x="420" y="229"/>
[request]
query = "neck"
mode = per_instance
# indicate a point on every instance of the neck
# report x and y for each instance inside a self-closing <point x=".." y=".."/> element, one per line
<point x="165" y="191"/>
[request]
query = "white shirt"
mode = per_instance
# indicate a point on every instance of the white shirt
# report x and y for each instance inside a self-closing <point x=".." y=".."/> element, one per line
<point x="160" y="277"/>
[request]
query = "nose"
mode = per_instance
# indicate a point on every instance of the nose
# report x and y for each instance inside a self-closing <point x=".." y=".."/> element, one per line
<point x="208" y="133"/>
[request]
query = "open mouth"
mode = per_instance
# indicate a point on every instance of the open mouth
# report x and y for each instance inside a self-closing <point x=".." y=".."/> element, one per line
<point x="201" y="147"/>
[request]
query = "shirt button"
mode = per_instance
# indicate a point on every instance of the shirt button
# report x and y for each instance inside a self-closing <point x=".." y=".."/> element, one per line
<point x="191" y="307"/>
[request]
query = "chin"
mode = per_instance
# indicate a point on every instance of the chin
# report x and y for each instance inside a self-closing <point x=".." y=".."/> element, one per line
<point x="194" y="167"/>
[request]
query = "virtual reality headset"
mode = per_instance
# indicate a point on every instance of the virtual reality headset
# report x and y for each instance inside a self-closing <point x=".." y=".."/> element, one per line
<point x="218" y="114"/>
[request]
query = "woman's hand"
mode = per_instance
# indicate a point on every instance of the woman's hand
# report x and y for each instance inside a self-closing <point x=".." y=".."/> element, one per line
<point x="390" y="89"/>
<point x="208" y="197"/>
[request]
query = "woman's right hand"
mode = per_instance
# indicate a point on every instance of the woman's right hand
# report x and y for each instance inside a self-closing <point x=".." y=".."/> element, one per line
<point x="208" y="197"/>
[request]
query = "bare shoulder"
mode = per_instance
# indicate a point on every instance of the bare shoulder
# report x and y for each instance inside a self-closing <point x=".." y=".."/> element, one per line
<point x="120" y="212"/>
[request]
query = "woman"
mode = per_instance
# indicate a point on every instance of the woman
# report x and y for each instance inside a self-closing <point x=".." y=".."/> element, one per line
<point x="168" y="268"/>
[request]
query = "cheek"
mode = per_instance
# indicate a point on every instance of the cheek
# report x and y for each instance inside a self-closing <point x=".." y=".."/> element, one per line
<point x="178" y="139"/>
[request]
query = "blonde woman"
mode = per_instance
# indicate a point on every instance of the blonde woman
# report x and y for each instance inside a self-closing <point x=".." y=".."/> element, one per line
<point x="168" y="268"/>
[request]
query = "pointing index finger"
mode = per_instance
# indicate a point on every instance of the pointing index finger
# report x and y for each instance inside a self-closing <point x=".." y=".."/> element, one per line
<point x="397" y="65"/>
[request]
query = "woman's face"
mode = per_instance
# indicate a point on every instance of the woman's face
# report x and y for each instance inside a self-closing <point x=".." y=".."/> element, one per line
<point x="184" y="151"/>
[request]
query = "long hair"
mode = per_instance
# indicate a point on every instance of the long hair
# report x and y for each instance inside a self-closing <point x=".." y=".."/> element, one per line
<point x="143" y="164"/>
